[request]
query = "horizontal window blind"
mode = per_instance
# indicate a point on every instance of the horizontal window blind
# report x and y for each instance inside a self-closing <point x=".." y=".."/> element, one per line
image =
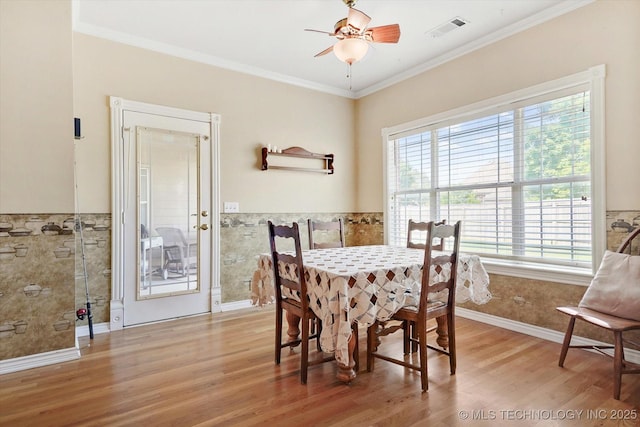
<point x="519" y="178"/>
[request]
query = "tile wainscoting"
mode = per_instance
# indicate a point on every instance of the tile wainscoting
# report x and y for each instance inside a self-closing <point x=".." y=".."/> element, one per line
<point x="244" y="236"/>
<point x="42" y="277"/>
<point x="42" y="280"/>
<point x="534" y="301"/>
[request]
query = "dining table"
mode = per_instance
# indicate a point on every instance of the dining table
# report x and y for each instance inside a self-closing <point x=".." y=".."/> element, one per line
<point x="363" y="284"/>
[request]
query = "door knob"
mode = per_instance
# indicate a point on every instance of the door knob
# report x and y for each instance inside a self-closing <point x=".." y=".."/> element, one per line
<point x="204" y="227"/>
<point x="205" y="213"/>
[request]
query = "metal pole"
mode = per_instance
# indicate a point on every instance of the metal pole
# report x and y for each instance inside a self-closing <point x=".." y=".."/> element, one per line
<point x="78" y="227"/>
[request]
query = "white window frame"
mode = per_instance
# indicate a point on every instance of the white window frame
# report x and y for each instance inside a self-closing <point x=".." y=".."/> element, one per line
<point x="594" y="77"/>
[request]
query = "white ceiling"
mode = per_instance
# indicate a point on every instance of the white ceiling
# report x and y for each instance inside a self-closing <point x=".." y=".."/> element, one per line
<point x="267" y="37"/>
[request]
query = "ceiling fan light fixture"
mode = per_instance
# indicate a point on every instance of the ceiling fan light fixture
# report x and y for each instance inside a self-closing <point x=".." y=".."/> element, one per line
<point x="351" y="50"/>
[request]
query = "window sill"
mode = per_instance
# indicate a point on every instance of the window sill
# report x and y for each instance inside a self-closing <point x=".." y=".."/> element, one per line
<point x="547" y="273"/>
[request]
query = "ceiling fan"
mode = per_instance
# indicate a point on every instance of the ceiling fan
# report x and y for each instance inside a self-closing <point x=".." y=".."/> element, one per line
<point x="354" y="36"/>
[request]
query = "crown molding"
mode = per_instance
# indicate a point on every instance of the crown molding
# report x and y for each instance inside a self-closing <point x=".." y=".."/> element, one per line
<point x="522" y="25"/>
<point x="119" y="37"/>
<point x="192" y="55"/>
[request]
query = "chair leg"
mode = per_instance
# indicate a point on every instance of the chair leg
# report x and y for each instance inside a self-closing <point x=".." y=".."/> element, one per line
<point x="421" y="330"/>
<point x="278" y="333"/>
<point x="304" y="356"/>
<point x="371" y="343"/>
<point x="316" y="327"/>
<point x="451" y="327"/>
<point x="618" y="357"/>
<point x="410" y="337"/>
<point x="567" y="341"/>
<point x="356" y="349"/>
<point x="414" y="335"/>
<point x="406" y="334"/>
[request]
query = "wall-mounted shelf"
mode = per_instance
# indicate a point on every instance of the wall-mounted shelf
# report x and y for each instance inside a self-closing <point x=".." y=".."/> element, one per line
<point x="301" y="153"/>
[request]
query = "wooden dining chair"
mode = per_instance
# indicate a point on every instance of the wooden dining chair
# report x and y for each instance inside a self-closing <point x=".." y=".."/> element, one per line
<point x="438" y="274"/>
<point x="595" y="310"/>
<point x="416" y="232"/>
<point x="289" y="273"/>
<point x="330" y="227"/>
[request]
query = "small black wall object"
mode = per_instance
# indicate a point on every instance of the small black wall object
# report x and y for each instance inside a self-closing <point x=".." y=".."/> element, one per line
<point x="76" y="128"/>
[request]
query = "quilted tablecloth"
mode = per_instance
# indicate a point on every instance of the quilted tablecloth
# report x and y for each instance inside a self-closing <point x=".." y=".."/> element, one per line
<point x="365" y="283"/>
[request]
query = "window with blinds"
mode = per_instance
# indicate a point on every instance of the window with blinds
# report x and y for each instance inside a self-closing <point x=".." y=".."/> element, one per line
<point x="518" y="175"/>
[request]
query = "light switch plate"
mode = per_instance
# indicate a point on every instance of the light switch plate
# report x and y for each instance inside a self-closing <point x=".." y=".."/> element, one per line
<point x="231" y="207"/>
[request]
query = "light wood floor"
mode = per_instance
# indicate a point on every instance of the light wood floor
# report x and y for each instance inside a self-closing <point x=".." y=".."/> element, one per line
<point x="219" y="370"/>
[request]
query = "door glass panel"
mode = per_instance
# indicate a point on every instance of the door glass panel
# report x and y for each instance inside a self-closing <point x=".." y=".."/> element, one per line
<point x="167" y="213"/>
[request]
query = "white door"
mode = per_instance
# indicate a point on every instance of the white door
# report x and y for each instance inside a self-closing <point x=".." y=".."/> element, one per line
<point x="167" y="217"/>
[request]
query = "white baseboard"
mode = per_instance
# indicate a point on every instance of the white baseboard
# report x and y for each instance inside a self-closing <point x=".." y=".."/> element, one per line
<point x="98" y="328"/>
<point x="236" y="305"/>
<point x="38" y="360"/>
<point x="537" y="331"/>
<point x="104" y="327"/>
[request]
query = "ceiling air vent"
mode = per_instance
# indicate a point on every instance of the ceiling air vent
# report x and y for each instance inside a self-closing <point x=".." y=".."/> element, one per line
<point x="448" y="26"/>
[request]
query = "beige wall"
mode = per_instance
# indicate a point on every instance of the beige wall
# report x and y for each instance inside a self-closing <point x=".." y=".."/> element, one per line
<point x="605" y="32"/>
<point x="37" y="288"/>
<point x="254" y="111"/>
<point x="36" y="107"/>
<point x="49" y="75"/>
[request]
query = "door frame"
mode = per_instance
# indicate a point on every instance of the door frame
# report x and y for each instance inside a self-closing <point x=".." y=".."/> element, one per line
<point x="118" y="195"/>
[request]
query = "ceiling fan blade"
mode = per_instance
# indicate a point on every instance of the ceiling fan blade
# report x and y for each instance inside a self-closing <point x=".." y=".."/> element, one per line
<point x="324" y="52"/>
<point x="384" y="34"/>
<point x="357" y="19"/>
<point x="320" y="31"/>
